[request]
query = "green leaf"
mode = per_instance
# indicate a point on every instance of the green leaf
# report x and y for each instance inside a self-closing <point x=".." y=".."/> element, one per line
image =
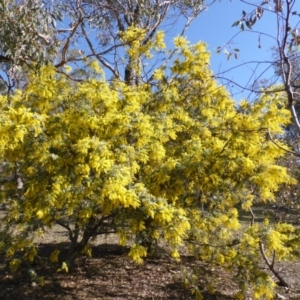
<point x="236" y="23"/>
<point x="228" y="56"/>
<point x="218" y="50"/>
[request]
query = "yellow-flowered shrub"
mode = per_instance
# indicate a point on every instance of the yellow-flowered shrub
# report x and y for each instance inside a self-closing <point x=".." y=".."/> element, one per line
<point x="171" y="160"/>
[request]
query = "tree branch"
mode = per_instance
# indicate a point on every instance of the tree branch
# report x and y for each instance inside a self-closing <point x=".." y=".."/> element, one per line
<point x="5" y="59"/>
<point x="67" y="44"/>
<point x="102" y="61"/>
<point x="281" y="282"/>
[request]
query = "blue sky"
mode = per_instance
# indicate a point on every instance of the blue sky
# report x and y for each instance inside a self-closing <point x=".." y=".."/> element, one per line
<point x="214" y="27"/>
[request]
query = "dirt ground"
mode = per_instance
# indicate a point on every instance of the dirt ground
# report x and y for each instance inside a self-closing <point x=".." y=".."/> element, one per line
<point x="111" y="275"/>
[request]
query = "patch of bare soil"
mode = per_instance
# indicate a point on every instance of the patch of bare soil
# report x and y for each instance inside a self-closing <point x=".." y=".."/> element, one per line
<point x="111" y="275"/>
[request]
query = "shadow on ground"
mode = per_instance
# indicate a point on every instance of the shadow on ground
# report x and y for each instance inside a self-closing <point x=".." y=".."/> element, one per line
<point x="110" y="274"/>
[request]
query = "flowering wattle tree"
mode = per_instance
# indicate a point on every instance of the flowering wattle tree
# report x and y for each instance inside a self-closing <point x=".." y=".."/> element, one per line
<point x="169" y="160"/>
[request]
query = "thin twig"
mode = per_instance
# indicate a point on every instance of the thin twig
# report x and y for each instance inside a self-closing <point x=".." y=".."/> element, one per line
<point x="282" y="148"/>
<point x="253" y="216"/>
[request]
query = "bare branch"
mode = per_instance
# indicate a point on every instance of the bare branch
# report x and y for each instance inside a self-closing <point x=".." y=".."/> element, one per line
<point x="281" y="282"/>
<point x="253" y="216"/>
<point x="69" y="76"/>
<point x="102" y="61"/>
<point x="67" y="44"/>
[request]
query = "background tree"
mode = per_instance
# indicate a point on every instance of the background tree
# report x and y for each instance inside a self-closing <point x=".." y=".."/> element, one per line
<point x="68" y="32"/>
<point x="286" y="39"/>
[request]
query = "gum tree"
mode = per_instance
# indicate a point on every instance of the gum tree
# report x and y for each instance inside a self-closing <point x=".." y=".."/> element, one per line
<point x="37" y="32"/>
